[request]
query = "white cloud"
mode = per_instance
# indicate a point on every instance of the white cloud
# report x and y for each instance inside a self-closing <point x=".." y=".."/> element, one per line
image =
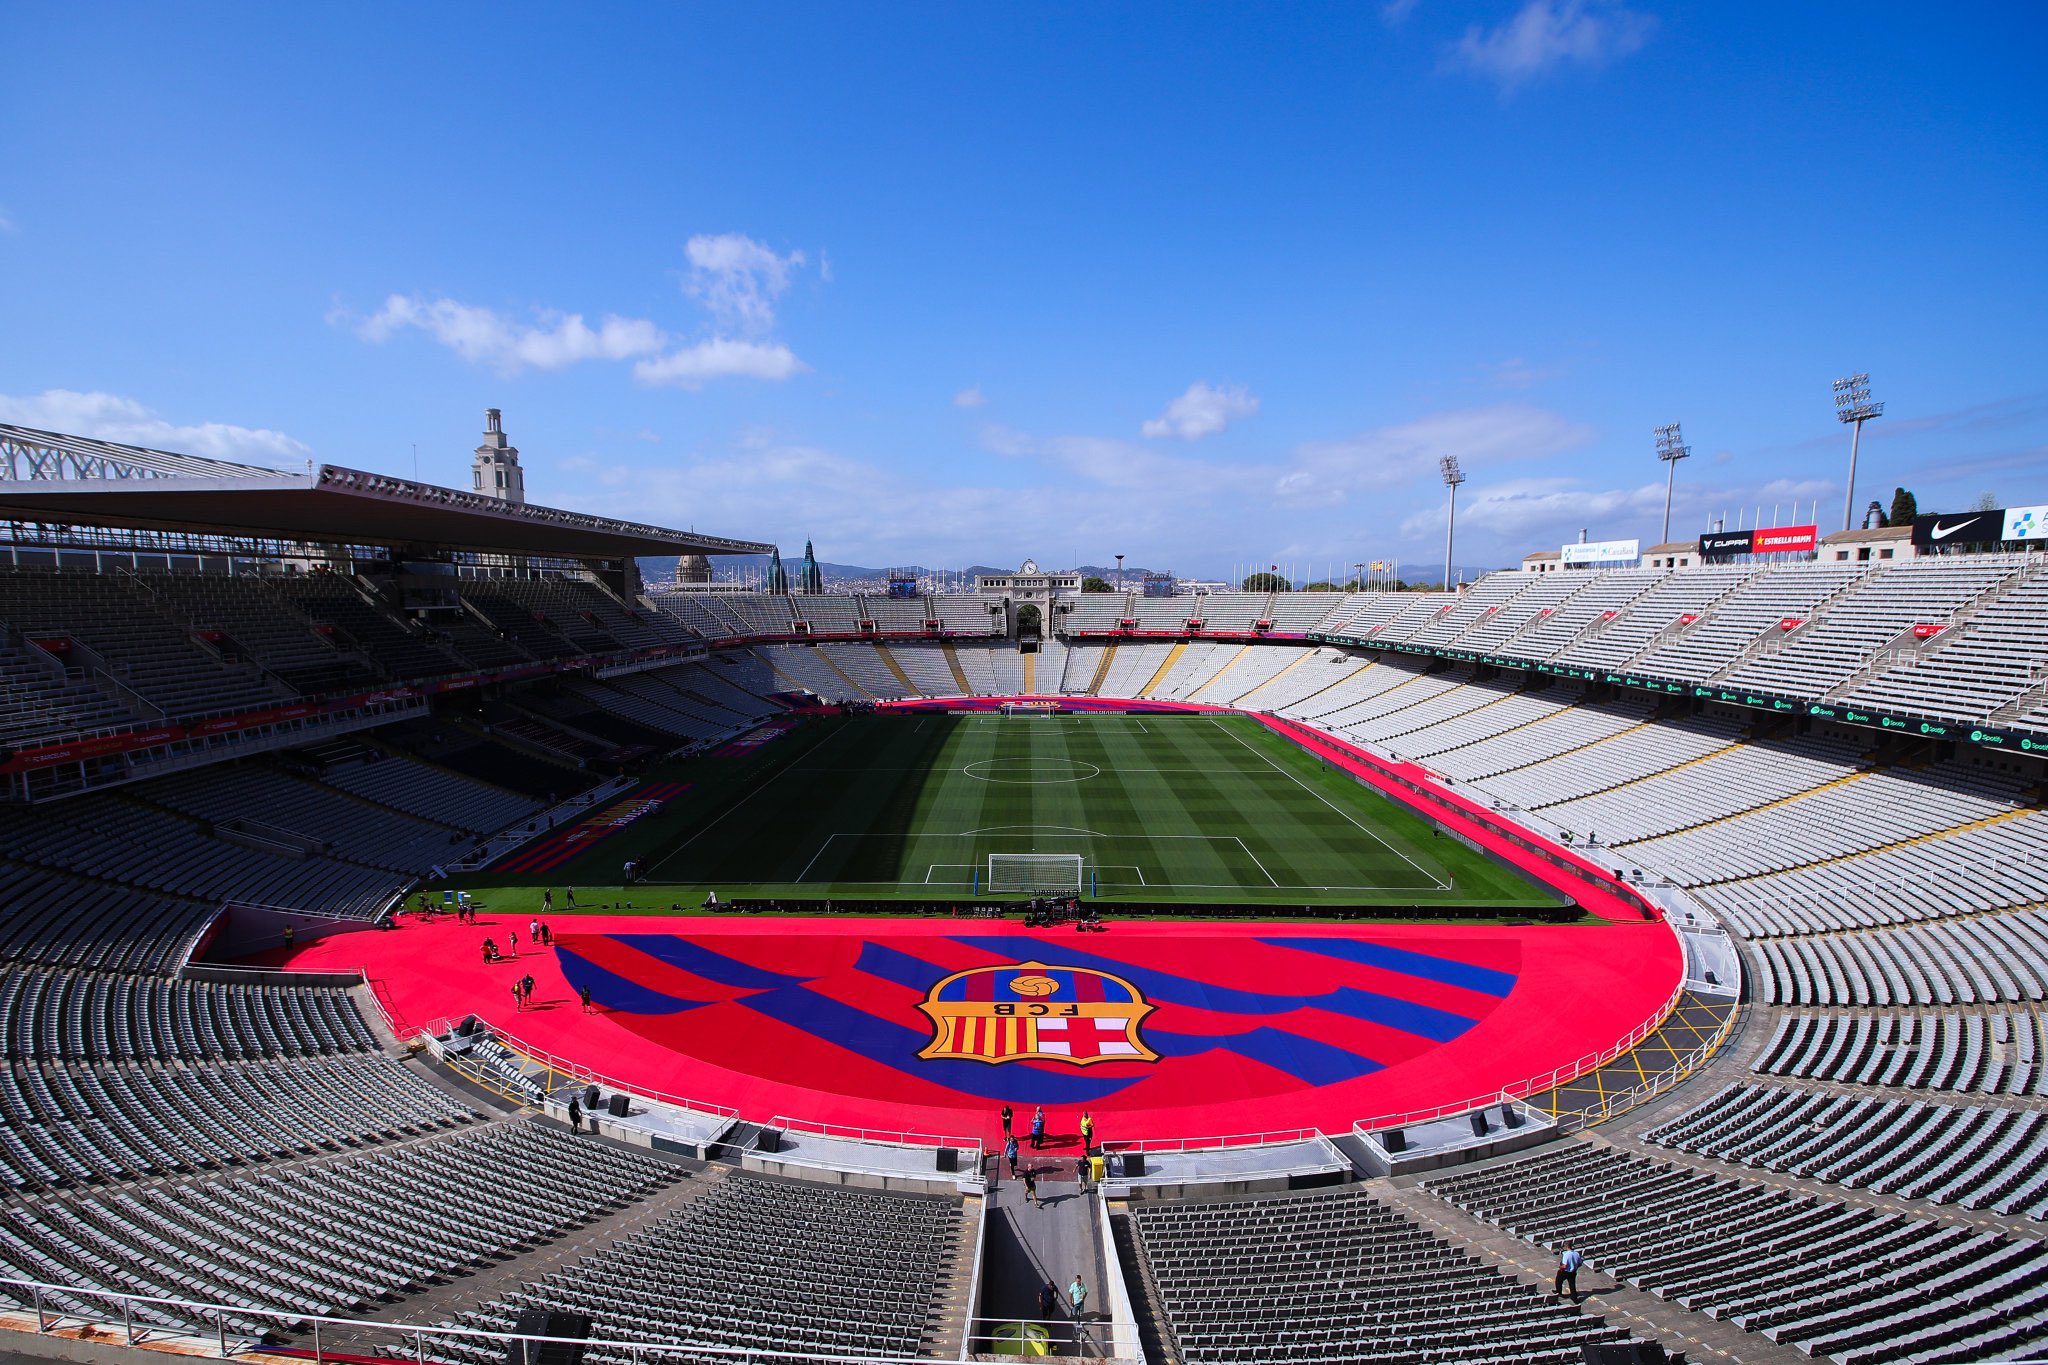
<point x="6" y="221"/>
<point x="738" y="279"/>
<point x="1328" y="472"/>
<point x="1393" y="13"/>
<point x="109" y="417"/>
<point x="484" y="336"/>
<point x="1545" y="35"/>
<point x="719" y="358"/>
<point x="1202" y="411"/>
<point x="969" y="397"/>
<point x="734" y="277"/>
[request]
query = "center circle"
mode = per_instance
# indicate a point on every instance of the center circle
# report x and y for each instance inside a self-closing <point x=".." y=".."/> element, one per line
<point x="1031" y="772"/>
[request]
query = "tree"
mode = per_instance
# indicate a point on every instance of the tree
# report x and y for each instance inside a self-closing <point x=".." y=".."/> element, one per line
<point x="1905" y="507"/>
<point x="1265" y="582"/>
<point x="1986" y="502"/>
<point x="1093" y="584"/>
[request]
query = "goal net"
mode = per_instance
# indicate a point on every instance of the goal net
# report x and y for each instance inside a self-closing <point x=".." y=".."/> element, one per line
<point x="1034" y="874"/>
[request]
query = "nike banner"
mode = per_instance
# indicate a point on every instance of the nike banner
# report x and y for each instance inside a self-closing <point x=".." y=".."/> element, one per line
<point x="1962" y="528"/>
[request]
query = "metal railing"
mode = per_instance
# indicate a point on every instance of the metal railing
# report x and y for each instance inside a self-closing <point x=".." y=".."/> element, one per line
<point x="1652" y="1086"/>
<point x="554" y="1066"/>
<point x="1531" y="1085"/>
<point x="225" y="1327"/>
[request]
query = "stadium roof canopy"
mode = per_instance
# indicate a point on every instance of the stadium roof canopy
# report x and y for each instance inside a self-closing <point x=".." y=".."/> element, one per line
<point x="48" y="477"/>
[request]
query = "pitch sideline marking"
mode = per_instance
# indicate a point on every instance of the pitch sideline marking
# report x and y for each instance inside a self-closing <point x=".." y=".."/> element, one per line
<point x="708" y="826"/>
<point x="1255" y="861"/>
<point x="1370" y="834"/>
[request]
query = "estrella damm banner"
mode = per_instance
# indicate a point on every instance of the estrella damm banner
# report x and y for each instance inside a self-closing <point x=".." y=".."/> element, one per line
<point x="1030" y="1011"/>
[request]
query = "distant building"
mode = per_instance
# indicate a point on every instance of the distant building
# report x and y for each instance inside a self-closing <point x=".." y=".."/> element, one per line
<point x="692" y="570"/>
<point x="495" y="468"/>
<point x="1875" y="542"/>
<point x="1673" y="554"/>
<point x="1543" y="561"/>
<point x="1030" y="583"/>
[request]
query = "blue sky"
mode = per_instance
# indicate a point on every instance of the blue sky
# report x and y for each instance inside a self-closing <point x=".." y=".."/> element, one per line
<point x="1203" y="285"/>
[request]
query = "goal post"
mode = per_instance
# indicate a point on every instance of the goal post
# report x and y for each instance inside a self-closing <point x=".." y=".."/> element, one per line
<point x="1034" y="874"/>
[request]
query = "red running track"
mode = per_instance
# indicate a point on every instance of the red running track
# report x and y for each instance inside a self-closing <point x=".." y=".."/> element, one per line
<point x="1256" y="1027"/>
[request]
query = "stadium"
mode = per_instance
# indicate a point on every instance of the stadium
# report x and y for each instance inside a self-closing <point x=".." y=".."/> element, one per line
<point x="431" y="939"/>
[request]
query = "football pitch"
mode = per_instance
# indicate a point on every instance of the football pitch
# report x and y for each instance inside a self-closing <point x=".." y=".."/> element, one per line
<point x="1188" y="809"/>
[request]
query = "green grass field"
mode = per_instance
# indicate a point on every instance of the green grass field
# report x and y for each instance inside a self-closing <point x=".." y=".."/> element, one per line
<point x="1158" y="808"/>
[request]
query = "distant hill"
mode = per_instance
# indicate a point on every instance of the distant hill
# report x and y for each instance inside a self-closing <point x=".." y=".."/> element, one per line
<point x="662" y="569"/>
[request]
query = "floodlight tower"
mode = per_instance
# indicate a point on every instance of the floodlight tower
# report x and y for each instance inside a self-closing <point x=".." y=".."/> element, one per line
<point x="1671" y="448"/>
<point x="1453" y="476"/>
<point x="1119" y="573"/>
<point x="1853" y="405"/>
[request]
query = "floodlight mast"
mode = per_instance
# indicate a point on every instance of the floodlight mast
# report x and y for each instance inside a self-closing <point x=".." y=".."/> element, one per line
<point x="1671" y="448"/>
<point x="1853" y="406"/>
<point x="1119" y="573"/>
<point x="1453" y="476"/>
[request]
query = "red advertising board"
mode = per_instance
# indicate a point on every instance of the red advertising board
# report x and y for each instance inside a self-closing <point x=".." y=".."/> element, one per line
<point x="1924" y="631"/>
<point x="1780" y="540"/>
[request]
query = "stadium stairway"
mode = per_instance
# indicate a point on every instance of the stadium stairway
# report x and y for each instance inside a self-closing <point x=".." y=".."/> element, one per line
<point x="854" y="689"/>
<point x="1301" y="657"/>
<point x="1172" y="657"/>
<point x="1948" y="832"/>
<point x="959" y="673"/>
<point x="910" y="689"/>
<point x="445" y="1301"/>
<point x="1800" y="795"/>
<point x="1643" y="1314"/>
<point x="1030" y="675"/>
<point x="1102" y="669"/>
<point x="1644" y="725"/>
<point x="1232" y="662"/>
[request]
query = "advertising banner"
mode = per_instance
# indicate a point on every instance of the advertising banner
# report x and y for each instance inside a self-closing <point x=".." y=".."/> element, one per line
<point x="1725" y="544"/>
<point x="1962" y="528"/>
<point x="1780" y="540"/>
<point x="2026" y="523"/>
<point x="1604" y="552"/>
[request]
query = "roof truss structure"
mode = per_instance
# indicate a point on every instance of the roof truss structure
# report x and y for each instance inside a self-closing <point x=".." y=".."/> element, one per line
<point x="48" y="478"/>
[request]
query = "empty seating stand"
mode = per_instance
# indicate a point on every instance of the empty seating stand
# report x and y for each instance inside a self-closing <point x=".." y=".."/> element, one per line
<point x="1975" y="1156"/>
<point x="1860" y="1285"/>
<point x="1339" y="1276"/>
<point x="756" y="1264"/>
<point x="326" y="1237"/>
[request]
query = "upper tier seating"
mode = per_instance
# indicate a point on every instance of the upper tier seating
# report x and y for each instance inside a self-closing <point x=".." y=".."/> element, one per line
<point x="1876" y="612"/>
<point x="161" y="662"/>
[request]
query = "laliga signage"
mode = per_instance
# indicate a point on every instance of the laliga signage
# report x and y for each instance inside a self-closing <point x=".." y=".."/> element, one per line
<point x="1603" y="552"/>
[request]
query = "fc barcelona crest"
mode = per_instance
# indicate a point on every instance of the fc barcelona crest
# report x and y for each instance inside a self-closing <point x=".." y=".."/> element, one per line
<point x="1032" y="1012"/>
